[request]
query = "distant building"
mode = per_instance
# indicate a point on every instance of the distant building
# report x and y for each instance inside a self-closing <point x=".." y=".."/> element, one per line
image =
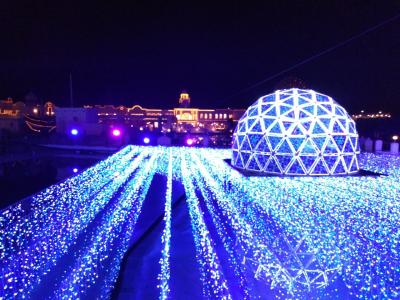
<point x="181" y="119"/>
<point x="184" y="100"/>
<point x="11" y="115"/>
<point x="83" y="120"/>
<point x="16" y="117"/>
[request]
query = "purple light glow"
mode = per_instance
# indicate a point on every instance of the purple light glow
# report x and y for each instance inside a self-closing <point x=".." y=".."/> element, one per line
<point x="146" y="140"/>
<point x="116" y="132"/>
<point x="74" y="131"/>
<point x="75" y="170"/>
<point x="189" y="142"/>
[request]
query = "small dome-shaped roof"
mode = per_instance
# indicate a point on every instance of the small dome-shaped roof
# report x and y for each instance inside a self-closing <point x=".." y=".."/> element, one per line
<point x="296" y="132"/>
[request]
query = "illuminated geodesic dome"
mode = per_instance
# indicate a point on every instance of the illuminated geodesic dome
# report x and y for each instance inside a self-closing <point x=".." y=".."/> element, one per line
<point x="296" y="132"/>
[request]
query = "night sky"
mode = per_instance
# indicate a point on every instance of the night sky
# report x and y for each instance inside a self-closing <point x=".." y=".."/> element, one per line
<point x="148" y="51"/>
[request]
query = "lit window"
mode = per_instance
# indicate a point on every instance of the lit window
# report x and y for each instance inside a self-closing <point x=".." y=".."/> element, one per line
<point x="225" y="116"/>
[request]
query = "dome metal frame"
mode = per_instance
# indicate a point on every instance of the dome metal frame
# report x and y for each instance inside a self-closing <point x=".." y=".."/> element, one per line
<point x="296" y="132"/>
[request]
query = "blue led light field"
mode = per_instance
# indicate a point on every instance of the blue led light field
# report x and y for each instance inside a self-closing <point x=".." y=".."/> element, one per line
<point x="252" y="237"/>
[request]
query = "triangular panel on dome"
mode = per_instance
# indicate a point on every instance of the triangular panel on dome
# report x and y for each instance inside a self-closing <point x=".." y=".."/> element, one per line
<point x="307" y="95"/>
<point x="245" y="144"/>
<point x="254" y="139"/>
<point x="250" y="122"/>
<point x="327" y="107"/>
<point x="296" y="168"/>
<point x="272" y="166"/>
<point x="326" y="122"/>
<point x="245" y="158"/>
<point x="303" y="115"/>
<point x="340" y="169"/>
<point x="348" y="148"/>
<point x="253" y="111"/>
<point x="235" y="145"/>
<point x="309" y="109"/>
<point x="253" y="164"/>
<point x="322" y="98"/>
<point x="319" y="142"/>
<point x="240" y="140"/>
<point x="239" y="161"/>
<point x="286" y="125"/>
<point x="290" y="114"/>
<point x="352" y="127"/>
<point x="319" y="168"/>
<point x="267" y="123"/>
<point x="337" y="128"/>
<point x="284" y="109"/>
<point x="262" y="160"/>
<point x="274" y="141"/>
<point x="308" y="162"/>
<point x="354" y="165"/>
<point x="283" y="161"/>
<point x="269" y="98"/>
<point x="339" y="140"/>
<point x="306" y="125"/>
<point x="298" y="130"/>
<point x="242" y="126"/>
<point x="330" y="146"/>
<point x="256" y="126"/>
<point x="330" y="161"/>
<point x="265" y="107"/>
<point x="263" y="146"/>
<point x="302" y="100"/>
<point x="271" y="112"/>
<point x="339" y="111"/>
<point x="354" y="142"/>
<point x="284" y="147"/>
<point x="343" y="123"/>
<point x="296" y="142"/>
<point x="289" y="101"/>
<point x="285" y="94"/>
<point x="317" y="128"/>
<point x="276" y="128"/>
<point x="321" y="111"/>
<point x="235" y="155"/>
<point x="308" y="147"/>
<point x="347" y="161"/>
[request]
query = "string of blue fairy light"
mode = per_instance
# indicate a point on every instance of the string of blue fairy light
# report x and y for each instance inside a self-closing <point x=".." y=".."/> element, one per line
<point x="347" y="227"/>
<point x="164" y="274"/>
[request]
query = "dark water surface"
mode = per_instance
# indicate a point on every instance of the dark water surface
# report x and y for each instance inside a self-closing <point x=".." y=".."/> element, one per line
<point x="20" y="178"/>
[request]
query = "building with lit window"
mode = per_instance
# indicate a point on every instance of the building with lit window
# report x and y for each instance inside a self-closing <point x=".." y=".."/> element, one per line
<point x="181" y="119"/>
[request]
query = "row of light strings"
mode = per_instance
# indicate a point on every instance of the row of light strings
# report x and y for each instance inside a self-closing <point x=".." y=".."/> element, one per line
<point x="295" y="238"/>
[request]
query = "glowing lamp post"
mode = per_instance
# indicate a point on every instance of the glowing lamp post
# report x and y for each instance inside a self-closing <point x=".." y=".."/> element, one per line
<point x="394" y="146"/>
